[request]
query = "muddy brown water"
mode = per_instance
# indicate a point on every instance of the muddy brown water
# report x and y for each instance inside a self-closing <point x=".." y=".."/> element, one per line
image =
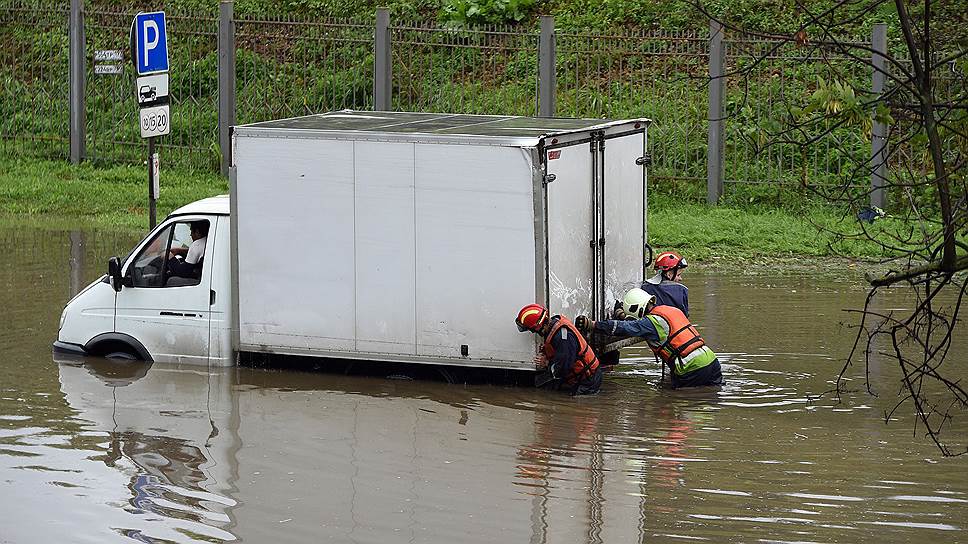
<point x="97" y="452"/>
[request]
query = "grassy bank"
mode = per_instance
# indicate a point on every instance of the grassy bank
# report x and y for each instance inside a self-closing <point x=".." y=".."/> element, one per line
<point x="115" y="196"/>
<point x="750" y="232"/>
<point x="44" y="190"/>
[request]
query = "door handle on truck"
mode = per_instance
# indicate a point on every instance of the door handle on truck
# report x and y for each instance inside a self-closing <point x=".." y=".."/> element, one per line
<point x="211" y="297"/>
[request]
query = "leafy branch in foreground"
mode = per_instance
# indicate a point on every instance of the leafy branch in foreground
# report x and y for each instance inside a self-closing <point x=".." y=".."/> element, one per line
<point x="924" y="107"/>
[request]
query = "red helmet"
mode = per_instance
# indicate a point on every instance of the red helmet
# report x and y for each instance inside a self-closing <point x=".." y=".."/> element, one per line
<point x="669" y="260"/>
<point x="531" y="318"/>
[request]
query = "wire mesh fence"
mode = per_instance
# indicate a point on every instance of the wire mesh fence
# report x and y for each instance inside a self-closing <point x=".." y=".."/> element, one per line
<point x="287" y="67"/>
<point x="661" y="76"/>
<point x="487" y="70"/>
<point x="34" y="87"/>
<point x="292" y="67"/>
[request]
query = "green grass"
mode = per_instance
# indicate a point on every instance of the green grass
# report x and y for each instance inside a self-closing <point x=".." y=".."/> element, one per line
<point x="115" y="196"/>
<point x="41" y="191"/>
<point x="709" y="233"/>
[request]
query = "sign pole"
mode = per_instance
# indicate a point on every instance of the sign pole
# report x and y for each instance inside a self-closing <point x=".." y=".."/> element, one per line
<point x="149" y="47"/>
<point x="152" y="197"/>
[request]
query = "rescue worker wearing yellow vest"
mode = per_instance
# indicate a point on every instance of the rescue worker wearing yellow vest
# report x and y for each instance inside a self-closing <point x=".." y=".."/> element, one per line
<point x="670" y="335"/>
<point x="567" y="356"/>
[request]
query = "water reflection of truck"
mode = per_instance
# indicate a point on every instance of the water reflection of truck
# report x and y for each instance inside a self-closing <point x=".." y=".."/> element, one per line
<point x="397" y="237"/>
<point x="228" y="454"/>
<point x="175" y="440"/>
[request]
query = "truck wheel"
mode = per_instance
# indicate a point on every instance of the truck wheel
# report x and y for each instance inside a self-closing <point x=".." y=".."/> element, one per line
<point x="121" y="355"/>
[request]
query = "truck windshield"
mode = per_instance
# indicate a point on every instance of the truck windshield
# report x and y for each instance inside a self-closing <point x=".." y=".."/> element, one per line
<point x="149" y="266"/>
<point x="173" y="257"/>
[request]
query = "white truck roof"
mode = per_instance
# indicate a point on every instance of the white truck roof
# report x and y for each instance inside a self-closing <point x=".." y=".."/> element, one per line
<point x="439" y="127"/>
<point x="214" y="205"/>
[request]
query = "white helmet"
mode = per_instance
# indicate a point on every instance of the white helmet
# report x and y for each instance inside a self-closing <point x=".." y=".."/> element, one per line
<point x="636" y="303"/>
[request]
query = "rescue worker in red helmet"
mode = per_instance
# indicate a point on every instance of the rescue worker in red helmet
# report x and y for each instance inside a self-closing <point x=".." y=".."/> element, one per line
<point x="565" y="353"/>
<point x="669" y="333"/>
<point x="666" y="286"/>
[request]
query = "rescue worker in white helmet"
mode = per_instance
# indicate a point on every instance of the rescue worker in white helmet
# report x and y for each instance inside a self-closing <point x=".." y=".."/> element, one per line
<point x="668" y="332"/>
<point x="568" y="358"/>
<point x="666" y="286"/>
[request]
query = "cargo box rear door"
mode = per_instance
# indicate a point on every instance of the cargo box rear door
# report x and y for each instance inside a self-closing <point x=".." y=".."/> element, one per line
<point x="570" y="219"/>
<point x="624" y="180"/>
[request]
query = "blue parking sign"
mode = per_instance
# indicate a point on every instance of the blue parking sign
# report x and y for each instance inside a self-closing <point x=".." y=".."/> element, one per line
<point x="150" y="43"/>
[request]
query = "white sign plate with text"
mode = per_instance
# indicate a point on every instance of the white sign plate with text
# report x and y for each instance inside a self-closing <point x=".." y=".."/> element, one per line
<point x="156" y="177"/>
<point x="155" y="121"/>
<point x="101" y="69"/>
<point x="108" y="55"/>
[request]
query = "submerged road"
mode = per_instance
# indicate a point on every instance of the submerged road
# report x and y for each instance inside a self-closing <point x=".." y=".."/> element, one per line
<point x="94" y="451"/>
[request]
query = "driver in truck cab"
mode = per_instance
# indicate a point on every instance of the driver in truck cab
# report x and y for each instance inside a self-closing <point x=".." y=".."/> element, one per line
<point x="187" y="262"/>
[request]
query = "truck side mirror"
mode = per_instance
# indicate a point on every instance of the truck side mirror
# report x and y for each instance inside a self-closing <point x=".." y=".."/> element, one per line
<point x="114" y="272"/>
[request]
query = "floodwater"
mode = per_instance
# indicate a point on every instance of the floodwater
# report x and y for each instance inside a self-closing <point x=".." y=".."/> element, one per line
<point x="97" y="452"/>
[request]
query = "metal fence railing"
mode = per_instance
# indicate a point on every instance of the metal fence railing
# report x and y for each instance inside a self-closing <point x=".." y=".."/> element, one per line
<point x="763" y="132"/>
<point x="908" y="155"/>
<point x="34" y="90"/>
<point x="295" y="66"/>
<point x="487" y="70"/>
<point x="292" y="67"/>
<point x="661" y="76"/>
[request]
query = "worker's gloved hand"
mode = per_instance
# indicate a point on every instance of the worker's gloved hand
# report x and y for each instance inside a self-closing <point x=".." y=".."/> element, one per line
<point x="540" y="361"/>
<point x="618" y="312"/>
<point x="584" y="324"/>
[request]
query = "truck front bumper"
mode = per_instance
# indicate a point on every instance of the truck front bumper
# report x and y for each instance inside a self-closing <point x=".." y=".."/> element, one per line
<point x="65" y="348"/>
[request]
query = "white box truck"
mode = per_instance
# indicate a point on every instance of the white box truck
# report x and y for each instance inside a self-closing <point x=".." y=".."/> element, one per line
<point x="384" y="236"/>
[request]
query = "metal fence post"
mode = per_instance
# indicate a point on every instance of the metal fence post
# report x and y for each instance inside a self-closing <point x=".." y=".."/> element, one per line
<point x="547" y="77"/>
<point x="879" y="153"/>
<point x="717" y="84"/>
<point x="78" y="78"/>
<point x="382" y="68"/>
<point x="226" y="81"/>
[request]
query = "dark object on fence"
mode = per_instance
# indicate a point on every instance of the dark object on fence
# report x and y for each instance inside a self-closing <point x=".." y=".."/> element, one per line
<point x="870" y="214"/>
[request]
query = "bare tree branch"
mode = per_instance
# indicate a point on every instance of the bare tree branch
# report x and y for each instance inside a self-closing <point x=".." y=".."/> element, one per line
<point x="925" y="106"/>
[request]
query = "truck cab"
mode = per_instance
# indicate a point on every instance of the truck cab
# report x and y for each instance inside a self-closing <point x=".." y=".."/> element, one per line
<point x="153" y="306"/>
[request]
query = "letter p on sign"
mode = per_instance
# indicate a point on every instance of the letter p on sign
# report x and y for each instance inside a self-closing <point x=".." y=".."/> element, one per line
<point x="150" y="43"/>
<point x="151" y="39"/>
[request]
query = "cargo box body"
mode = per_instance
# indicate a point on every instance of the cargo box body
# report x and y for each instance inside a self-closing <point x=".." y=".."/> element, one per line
<point x="417" y="237"/>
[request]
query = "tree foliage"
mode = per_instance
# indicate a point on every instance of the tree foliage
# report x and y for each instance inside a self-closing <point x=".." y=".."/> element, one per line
<point x="924" y="108"/>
